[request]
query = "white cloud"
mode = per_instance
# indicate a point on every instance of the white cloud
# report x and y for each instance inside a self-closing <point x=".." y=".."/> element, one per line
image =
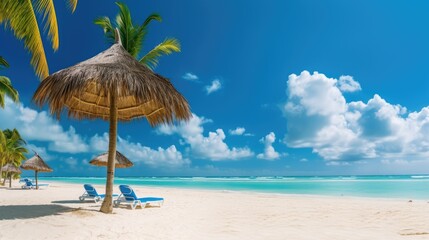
<point x="337" y="163"/>
<point x="99" y="143"/>
<point x="212" y="147"/>
<point x="215" y="86"/>
<point x="169" y="157"/>
<point x="39" y="126"/>
<point x="238" y="131"/>
<point x="348" y="84"/>
<point x="39" y="150"/>
<point x="71" y="162"/>
<point x="190" y="76"/>
<point x="319" y="117"/>
<point x="269" y="151"/>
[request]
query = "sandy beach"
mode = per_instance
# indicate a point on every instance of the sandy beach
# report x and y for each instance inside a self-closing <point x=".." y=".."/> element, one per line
<point x="56" y="213"/>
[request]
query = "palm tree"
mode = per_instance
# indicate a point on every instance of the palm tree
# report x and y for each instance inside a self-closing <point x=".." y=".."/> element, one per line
<point x="6" y="88"/>
<point x="3" y="144"/>
<point x="12" y="148"/>
<point x="20" y="17"/>
<point x="132" y="36"/>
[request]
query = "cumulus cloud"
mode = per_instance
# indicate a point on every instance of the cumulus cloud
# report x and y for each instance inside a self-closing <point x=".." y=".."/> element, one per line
<point x="212" y="147"/>
<point x="39" y="150"/>
<point x="160" y="157"/>
<point x="213" y="87"/>
<point x="269" y="151"/>
<point x="71" y="162"/>
<point x="190" y="77"/>
<point x="238" y="131"/>
<point x="39" y="126"/>
<point x="319" y="117"/>
<point x="348" y="84"/>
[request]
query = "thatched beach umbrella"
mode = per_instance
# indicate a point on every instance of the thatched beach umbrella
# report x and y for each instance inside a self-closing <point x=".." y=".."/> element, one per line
<point x="10" y="168"/>
<point x="37" y="164"/>
<point x="120" y="160"/>
<point x="112" y="86"/>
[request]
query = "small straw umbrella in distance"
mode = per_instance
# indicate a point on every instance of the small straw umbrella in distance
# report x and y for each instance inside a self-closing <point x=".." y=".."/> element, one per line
<point x="112" y="86"/>
<point x="37" y="164"/>
<point x="10" y="168"/>
<point x="120" y="160"/>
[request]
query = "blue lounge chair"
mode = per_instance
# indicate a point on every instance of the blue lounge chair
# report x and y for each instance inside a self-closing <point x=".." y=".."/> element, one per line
<point x="91" y="193"/>
<point x="128" y="196"/>
<point x="31" y="185"/>
<point x="25" y="179"/>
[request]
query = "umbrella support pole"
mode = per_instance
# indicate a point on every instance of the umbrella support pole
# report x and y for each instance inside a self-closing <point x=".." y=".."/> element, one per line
<point x="107" y="206"/>
<point x="10" y="180"/>
<point x="37" y="185"/>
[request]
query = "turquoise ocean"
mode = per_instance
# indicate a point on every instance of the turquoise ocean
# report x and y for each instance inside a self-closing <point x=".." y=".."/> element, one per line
<point x="398" y="186"/>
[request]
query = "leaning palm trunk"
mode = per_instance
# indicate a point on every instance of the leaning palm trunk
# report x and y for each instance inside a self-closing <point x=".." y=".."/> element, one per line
<point x="107" y="206"/>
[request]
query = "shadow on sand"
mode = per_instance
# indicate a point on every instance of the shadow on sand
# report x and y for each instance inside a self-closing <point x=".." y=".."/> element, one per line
<point x="9" y="212"/>
<point x="68" y="201"/>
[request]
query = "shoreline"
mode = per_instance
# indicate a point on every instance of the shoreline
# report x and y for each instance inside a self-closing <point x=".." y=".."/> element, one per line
<point x="315" y="195"/>
<point x="55" y="212"/>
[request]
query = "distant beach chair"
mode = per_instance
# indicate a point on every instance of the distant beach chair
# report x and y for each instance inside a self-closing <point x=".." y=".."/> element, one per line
<point x="31" y="185"/>
<point x="91" y="193"/>
<point x="128" y="196"/>
<point x="25" y="179"/>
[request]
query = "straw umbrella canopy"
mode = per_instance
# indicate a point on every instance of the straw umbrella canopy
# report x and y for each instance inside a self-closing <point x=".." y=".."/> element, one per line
<point x="112" y="86"/>
<point x="10" y="168"/>
<point x="120" y="160"/>
<point x="37" y="164"/>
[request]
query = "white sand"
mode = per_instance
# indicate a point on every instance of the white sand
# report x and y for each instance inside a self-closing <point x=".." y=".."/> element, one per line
<point x="55" y="213"/>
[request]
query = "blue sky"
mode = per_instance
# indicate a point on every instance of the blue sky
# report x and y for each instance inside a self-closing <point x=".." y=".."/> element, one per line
<point x="276" y="88"/>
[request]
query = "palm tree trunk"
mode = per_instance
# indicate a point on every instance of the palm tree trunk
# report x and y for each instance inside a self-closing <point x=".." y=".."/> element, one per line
<point x="37" y="184"/>
<point x="107" y="206"/>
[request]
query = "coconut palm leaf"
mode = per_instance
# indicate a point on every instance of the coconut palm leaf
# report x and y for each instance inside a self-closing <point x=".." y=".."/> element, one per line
<point x="125" y="26"/>
<point x="109" y="30"/>
<point x="132" y="36"/>
<point x="12" y="147"/>
<point x="72" y="5"/>
<point x="168" y="46"/>
<point x="47" y="9"/>
<point x="6" y="89"/>
<point x="3" y="63"/>
<point x="14" y="136"/>
<point x="153" y="16"/>
<point x="20" y="17"/>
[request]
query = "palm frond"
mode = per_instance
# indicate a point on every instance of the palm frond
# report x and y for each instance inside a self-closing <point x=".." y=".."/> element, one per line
<point x="13" y="147"/>
<point x="20" y="17"/>
<point x="106" y="25"/>
<point x="6" y="89"/>
<point x="47" y="9"/>
<point x="72" y="5"/>
<point x="153" y="16"/>
<point x="168" y="46"/>
<point x="3" y="63"/>
<point x="125" y="26"/>
<point x="14" y="137"/>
